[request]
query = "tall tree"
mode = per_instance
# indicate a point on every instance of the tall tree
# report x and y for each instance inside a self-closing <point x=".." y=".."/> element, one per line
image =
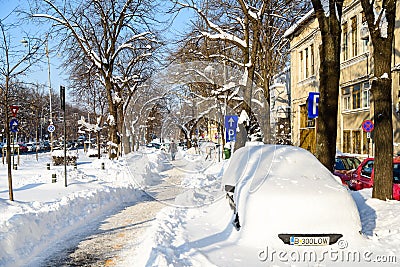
<point x="115" y="37"/>
<point x="329" y="14"/>
<point x="381" y="19"/>
<point x="246" y="35"/>
<point x="15" y="62"/>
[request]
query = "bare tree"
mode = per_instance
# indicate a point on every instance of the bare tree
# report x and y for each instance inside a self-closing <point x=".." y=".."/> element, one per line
<point x="115" y="38"/>
<point x="247" y="35"/>
<point x="14" y="63"/>
<point x="381" y="19"/>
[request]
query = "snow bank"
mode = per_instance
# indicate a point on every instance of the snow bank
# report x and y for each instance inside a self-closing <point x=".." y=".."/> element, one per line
<point x="45" y="213"/>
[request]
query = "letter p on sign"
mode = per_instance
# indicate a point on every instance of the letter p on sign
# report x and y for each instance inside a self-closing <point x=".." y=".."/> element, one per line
<point x="313" y="100"/>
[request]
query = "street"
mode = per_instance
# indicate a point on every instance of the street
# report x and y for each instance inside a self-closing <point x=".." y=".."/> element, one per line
<point x="102" y="241"/>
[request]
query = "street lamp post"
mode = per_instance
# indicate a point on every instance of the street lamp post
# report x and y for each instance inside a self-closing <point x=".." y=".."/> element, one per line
<point x="50" y="91"/>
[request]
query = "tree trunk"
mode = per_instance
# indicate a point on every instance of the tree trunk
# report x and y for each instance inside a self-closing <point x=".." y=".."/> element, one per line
<point x="265" y="117"/>
<point x="113" y="130"/>
<point x="241" y="137"/>
<point x="8" y="136"/>
<point x="329" y="75"/>
<point x="9" y="163"/>
<point x="383" y="131"/>
<point x="381" y="89"/>
<point x="383" y="136"/>
<point x="328" y="101"/>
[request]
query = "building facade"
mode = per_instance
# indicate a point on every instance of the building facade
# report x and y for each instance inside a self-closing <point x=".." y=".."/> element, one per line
<point x="356" y="70"/>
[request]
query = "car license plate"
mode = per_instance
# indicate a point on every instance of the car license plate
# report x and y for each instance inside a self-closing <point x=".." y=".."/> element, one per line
<point x="309" y="240"/>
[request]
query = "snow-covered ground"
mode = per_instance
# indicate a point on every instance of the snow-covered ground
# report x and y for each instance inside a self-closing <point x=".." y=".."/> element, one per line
<point x="192" y="228"/>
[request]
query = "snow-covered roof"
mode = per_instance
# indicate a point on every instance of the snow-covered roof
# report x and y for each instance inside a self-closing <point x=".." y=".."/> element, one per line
<point x="296" y="25"/>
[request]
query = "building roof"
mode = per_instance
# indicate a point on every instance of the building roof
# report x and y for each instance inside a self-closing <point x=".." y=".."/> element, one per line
<point x="298" y="24"/>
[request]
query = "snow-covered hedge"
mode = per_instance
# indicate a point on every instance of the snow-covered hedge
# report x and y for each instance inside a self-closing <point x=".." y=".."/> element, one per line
<point x="58" y="157"/>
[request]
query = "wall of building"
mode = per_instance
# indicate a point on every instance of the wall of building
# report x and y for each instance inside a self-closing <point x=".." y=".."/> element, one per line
<point x="304" y="79"/>
<point x="355" y="98"/>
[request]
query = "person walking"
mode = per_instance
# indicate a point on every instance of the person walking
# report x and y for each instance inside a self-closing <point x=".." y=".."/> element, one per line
<point x="173" y="149"/>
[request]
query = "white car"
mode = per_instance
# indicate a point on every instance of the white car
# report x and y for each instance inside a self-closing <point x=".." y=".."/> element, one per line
<point x="30" y="146"/>
<point x="282" y="195"/>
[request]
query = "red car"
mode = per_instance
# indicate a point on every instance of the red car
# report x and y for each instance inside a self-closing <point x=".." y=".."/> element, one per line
<point x="22" y="148"/>
<point x="344" y="167"/>
<point x="363" y="176"/>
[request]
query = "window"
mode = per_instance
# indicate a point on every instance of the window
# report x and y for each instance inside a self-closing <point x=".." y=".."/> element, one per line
<point x="396" y="173"/>
<point x="365" y="144"/>
<point x="301" y="66"/>
<point x="357" y="142"/>
<point x="307" y="70"/>
<point x="346" y="98"/>
<point x="367" y="169"/>
<point x="356" y="96"/>
<point x="354" y="38"/>
<point x="312" y="60"/>
<point x="307" y="63"/>
<point x="346" y="141"/>
<point x="365" y="45"/>
<point x="345" y="42"/>
<point x="366" y="94"/>
<point x="364" y="40"/>
<point x="352" y="141"/>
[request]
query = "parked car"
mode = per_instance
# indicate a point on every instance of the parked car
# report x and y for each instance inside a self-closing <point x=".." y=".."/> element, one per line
<point x="283" y="195"/>
<point x="363" y="176"/>
<point x="46" y="146"/>
<point x="22" y="148"/>
<point x="344" y="167"/>
<point x="156" y="145"/>
<point x="31" y="146"/>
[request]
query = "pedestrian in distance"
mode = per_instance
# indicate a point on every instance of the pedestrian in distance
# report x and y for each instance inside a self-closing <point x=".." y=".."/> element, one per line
<point x="173" y="148"/>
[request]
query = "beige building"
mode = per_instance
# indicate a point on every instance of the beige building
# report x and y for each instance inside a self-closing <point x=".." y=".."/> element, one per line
<point x="355" y="101"/>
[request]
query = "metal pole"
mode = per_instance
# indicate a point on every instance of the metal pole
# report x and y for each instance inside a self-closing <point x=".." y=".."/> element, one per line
<point x="13" y="150"/>
<point x="50" y="91"/>
<point x="62" y="100"/>
<point x="65" y="152"/>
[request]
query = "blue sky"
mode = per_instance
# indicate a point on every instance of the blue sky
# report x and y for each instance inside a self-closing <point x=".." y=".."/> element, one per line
<point x="40" y="75"/>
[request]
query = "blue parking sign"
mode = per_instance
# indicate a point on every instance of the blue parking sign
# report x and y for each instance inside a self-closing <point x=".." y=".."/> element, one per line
<point x="313" y="101"/>
<point x="231" y="123"/>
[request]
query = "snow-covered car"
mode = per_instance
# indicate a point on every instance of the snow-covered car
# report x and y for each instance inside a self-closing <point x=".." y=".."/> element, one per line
<point x="283" y="195"/>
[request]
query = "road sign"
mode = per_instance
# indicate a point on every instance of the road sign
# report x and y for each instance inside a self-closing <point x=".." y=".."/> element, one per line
<point x="14" y="110"/>
<point x="14" y="125"/>
<point x="62" y="97"/>
<point x="51" y="128"/>
<point x="313" y="100"/>
<point x="231" y="122"/>
<point x="368" y="126"/>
